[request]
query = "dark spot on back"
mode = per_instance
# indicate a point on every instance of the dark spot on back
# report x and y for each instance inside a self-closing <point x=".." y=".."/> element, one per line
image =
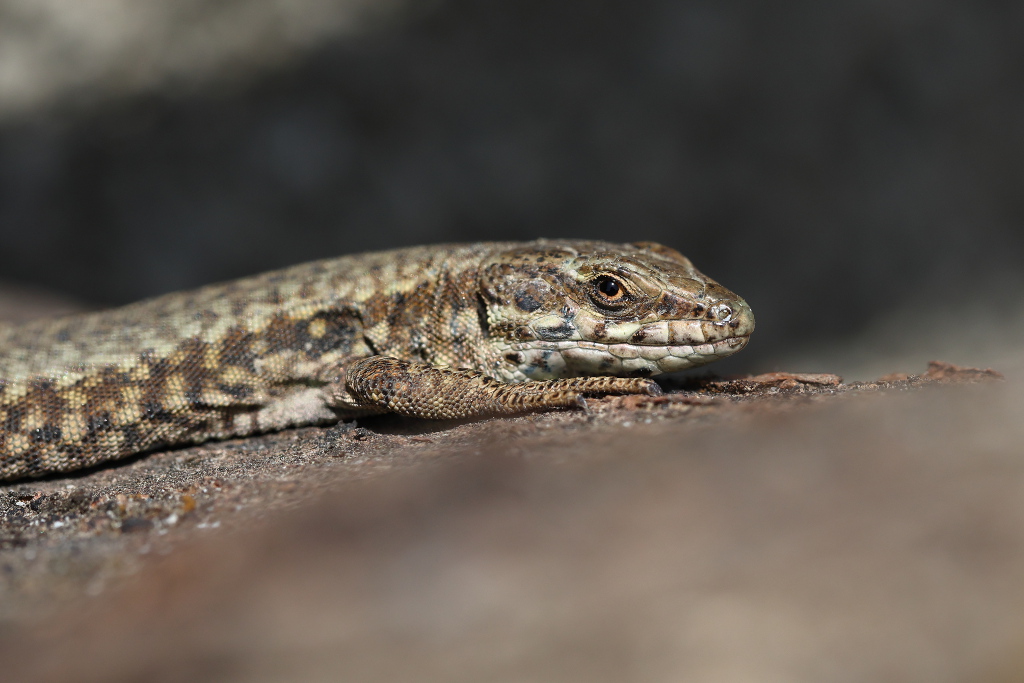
<point x="48" y="433"/>
<point x="154" y="411"/>
<point x="236" y="350"/>
<point x="236" y="391"/>
<point x="338" y="333"/>
<point x="194" y="394"/>
<point x="13" y="421"/>
<point x="133" y="440"/>
<point x="41" y="384"/>
<point x="99" y="423"/>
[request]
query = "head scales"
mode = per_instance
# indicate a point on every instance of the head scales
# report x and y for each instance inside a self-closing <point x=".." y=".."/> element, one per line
<point x="560" y="308"/>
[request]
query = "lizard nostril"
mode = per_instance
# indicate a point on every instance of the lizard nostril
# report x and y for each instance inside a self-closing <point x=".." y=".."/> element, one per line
<point x="720" y="313"/>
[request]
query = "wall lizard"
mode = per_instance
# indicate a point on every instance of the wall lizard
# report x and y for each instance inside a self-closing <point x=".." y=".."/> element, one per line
<point x="447" y="331"/>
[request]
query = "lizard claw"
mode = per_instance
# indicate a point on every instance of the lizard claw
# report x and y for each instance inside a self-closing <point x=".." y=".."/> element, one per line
<point x="652" y="388"/>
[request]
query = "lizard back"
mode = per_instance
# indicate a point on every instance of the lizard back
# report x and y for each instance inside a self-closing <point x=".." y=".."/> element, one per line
<point x="224" y="360"/>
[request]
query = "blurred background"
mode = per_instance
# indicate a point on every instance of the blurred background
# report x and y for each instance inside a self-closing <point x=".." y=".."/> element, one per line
<point x="854" y="169"/>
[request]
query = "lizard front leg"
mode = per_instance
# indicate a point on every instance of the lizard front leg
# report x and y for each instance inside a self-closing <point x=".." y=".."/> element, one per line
<point x="424" y="391"/>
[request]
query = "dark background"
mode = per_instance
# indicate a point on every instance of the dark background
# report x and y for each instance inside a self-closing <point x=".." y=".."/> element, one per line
<point x="848" y="167"/>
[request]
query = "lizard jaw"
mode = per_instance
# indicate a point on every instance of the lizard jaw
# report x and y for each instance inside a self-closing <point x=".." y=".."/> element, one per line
<point x="541" y="360"/>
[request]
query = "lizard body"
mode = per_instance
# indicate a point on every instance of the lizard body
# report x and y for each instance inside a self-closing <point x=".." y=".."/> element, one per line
<point x="446" y="331"/>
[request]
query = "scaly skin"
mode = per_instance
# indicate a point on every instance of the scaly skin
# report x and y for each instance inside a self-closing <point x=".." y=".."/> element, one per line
<point x="448" y="331"/>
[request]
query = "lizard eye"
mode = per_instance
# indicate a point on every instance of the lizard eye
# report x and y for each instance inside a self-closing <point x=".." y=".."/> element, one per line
<point x="609" y="289"/>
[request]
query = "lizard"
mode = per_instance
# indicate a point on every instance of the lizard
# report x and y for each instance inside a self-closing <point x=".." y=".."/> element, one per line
<point x="438" y="332"/>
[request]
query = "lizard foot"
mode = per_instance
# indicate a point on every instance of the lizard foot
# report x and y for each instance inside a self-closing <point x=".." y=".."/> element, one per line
<point x="424" y="391"/>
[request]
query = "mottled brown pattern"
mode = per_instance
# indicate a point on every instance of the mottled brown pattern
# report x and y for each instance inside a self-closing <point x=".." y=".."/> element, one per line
<point x="451" y="331"/>
<point x="426" y="392"/>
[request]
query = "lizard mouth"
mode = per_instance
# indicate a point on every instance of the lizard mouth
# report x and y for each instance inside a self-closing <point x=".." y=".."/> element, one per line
<point x="538" y="360"/>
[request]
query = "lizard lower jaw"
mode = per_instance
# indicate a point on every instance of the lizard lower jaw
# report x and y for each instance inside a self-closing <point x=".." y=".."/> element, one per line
<point x="539" y="360"/>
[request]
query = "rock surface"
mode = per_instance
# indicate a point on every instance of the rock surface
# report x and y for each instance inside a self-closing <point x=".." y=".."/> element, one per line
<point x="780" y="527"/>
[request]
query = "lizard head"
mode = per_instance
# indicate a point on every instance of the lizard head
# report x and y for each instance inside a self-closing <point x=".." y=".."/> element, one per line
<point x="571" y="308"/>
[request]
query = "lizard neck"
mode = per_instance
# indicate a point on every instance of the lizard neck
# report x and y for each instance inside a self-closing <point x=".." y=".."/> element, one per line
<point x="438" y="320"/>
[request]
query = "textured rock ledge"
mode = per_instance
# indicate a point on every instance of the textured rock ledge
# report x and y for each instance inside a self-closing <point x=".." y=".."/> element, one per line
<point x="781" y="526"/>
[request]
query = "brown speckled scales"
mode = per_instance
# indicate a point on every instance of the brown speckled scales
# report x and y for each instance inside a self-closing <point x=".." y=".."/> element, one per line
<point x="448" y="331"/>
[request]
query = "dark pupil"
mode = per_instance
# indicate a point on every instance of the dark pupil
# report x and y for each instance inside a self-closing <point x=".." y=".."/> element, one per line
<point x="608" y="287"/>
